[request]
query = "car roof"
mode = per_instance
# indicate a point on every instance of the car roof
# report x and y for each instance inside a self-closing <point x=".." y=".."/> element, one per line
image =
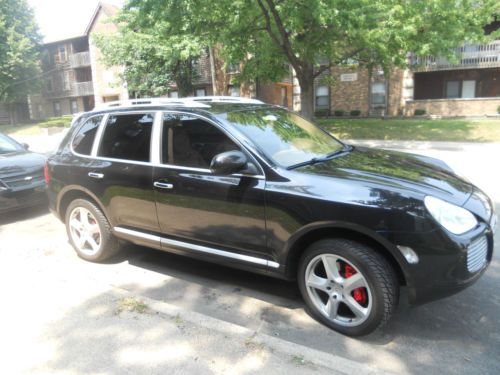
<point x="214" y="105"/>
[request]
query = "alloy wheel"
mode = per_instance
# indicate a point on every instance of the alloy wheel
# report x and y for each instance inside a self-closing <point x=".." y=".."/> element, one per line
<point x="85" y="231"/>
<point x="338" y="290"/>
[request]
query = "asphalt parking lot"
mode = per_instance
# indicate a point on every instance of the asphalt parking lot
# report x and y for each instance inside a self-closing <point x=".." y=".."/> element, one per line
<point x="41" y="276"/>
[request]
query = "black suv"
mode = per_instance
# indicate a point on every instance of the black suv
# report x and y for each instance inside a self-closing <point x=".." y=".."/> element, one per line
<point x="255" y="186"/>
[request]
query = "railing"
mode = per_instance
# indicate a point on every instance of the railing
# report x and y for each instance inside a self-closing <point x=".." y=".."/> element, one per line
<point x="79" y="59"/>
<point x="468" y="56"/>
<point x="82" y="89"/>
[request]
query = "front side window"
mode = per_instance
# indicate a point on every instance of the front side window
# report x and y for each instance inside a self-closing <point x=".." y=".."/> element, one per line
<point x="127" y="136"/>
<point x="84" y="139"/>
<point x="192" y="142"/>
<point x="284" y="137"/>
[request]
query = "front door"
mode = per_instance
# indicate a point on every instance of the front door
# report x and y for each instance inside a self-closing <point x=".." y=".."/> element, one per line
<point x="196" y="206"/>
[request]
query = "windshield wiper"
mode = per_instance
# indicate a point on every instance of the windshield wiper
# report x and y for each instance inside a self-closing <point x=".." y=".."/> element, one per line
<point x="346" y="148"/>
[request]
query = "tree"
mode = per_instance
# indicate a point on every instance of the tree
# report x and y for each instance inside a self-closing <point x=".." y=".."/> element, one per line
<point x="19" y="50"/>
<point x="152" y="59"/>
<point x="269" y="34"/>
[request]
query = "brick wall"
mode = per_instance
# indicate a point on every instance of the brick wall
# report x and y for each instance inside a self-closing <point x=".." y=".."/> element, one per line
<point x="350" y="95"/>
<point x="271" y="93"/>
<point x="106" y="81"/>
<point x="454" y="107"/>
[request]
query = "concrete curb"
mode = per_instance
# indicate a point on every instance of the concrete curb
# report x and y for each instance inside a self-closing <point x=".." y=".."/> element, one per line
<point x="331" y="361"/>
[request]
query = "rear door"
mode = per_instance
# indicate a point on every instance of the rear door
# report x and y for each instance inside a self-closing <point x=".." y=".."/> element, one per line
<point x="118" y="171"/>
<point x="195" y="206"/>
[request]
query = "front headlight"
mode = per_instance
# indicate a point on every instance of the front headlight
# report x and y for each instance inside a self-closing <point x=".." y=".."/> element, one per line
<point x="456" y="220"/>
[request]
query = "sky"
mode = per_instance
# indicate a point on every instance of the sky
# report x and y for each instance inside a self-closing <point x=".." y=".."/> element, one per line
<point x="62" y="19"/>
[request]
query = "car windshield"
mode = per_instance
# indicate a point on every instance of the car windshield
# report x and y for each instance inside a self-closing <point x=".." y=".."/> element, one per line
<point x="283" y="136"/>
<point x="8" y="145"/>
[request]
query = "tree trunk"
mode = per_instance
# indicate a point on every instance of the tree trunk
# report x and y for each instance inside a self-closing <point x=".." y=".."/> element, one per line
<point x="306" y="82"/>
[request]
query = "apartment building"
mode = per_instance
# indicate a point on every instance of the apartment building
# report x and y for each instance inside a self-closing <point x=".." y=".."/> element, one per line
<point x="74" y="78"/>
<point x="467" y="86"/>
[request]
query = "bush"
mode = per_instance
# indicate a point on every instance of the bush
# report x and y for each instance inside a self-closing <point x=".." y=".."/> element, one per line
<point x="322" y="113"/>
<point x="63" y="121"/>
<point x="498" y="109"/>
<point x="338" y="112"/>
<point x="420" y="112"/>
<point x="355" y="112"/>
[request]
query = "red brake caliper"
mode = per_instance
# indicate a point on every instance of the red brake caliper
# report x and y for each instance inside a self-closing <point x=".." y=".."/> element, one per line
<point x="359" y="294"/>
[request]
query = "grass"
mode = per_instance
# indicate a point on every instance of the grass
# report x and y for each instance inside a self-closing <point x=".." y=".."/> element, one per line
<point x="36" y="128"/>
<point x="460" y="130"/>
<point x="130" y="304"/>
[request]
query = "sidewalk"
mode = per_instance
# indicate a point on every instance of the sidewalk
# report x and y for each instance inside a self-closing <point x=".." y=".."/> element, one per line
<point x="57" y="317"/>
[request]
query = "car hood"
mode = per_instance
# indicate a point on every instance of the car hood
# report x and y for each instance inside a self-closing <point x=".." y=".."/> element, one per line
<point x="19" y="162"/>
<point x="401" y="171"/>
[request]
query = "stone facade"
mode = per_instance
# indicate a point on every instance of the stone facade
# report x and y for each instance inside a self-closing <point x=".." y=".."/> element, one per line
<point x="454" y="107"/>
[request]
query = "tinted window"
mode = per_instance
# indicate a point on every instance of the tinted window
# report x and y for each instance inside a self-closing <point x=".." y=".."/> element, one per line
<point x="84" y="139"/>
<point x="127" y="137"/>
<point x="191" y="142"/>
<point x="283" y="136"/>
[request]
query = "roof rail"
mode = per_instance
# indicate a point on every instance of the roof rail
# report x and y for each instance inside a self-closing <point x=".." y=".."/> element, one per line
<point x="229" y="99"/>
<point x="181" y="102"/>
<point x="195" y="102"/>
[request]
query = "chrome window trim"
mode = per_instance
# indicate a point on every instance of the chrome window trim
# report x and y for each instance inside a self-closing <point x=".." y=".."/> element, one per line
<point x="199" y="248"/>
<point x="261" y="175"/>
<point x="98" y="135"/>
<point x="156" y="144"/>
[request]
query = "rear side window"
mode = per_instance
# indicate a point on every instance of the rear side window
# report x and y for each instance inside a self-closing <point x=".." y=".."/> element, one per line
<point x="127" y="137"/>
<point x="84" y="139"/>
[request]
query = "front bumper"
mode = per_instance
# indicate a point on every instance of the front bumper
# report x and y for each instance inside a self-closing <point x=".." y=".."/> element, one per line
<point x="13" y="200"/>
<point x="445" y="264"/>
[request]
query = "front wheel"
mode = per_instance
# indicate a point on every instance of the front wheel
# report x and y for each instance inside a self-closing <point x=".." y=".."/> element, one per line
<point x="347" y="286"/>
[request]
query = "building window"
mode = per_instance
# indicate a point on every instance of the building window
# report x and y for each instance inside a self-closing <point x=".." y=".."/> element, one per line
<point x="233" y="68"/>
<point x="469" y="89"/>
<point x="453" y="89"/>
<point x="40" y="110"/>
<point x="173" y="94"/>
<point x="57" y="108"/>
<point x="66" y="81"/>
<point x="322" y="97"/>
<point x="73" y="104"/>
<point x="48" y="85"/>
<point x="378" y="94"/>
<point x="201" y="92"/>
<point x="62" y="53"/>
<point x="234" y="90"/>
<point x="284" y="96"/>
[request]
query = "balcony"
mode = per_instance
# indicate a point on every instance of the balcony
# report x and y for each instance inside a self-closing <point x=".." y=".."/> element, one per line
<point x="82" y="89"/>
<point x="470" y="56"/>
<point x="80" y="59"/>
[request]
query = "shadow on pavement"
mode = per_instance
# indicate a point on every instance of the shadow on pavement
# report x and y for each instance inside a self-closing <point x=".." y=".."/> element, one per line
<point x="23" y="214"/>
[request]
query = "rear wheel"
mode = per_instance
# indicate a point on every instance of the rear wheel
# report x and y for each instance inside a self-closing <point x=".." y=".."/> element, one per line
<point x="347" y="286"/>
<point x="89" y="231"/>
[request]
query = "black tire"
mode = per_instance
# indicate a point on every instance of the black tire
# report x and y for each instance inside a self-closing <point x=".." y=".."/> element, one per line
<point x="109" y="244"/>
<point x="378" y="275"/>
